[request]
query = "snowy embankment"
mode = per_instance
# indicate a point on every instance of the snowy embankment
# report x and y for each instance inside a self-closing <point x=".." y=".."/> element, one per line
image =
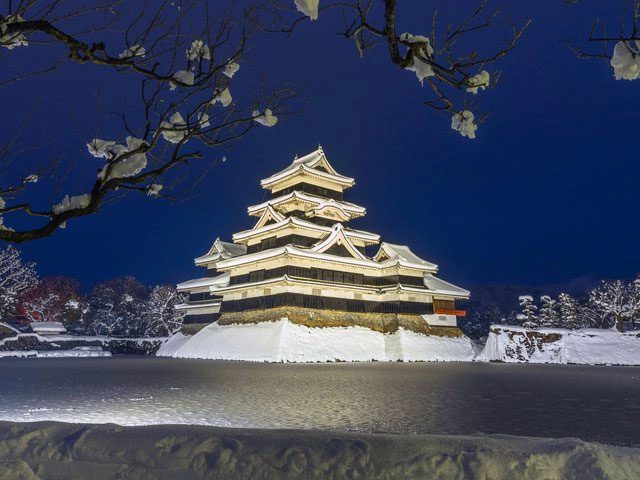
<point x="283" y="341"/>
<point x="77" y="352"/>
<point x="66" y="450"/>
<point x="43" y="346"/>
<point x="554" y="345"/>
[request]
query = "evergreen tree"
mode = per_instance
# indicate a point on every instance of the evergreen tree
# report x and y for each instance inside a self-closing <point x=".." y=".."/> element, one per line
<point x="634" y="290"/>
<point x="568" y="310"/>
<point x="549" y="316"/>
<point x="528" y="309"/>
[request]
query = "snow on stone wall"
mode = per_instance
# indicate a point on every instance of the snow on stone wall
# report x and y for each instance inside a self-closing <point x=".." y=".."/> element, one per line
<point x="554" y="345"/>
<point x="283" y="341"/>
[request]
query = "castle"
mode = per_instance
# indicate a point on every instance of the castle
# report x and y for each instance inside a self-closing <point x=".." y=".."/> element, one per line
<point x="302" y="261"/>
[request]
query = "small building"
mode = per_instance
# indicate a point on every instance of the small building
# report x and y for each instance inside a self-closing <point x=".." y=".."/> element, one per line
<point x="48" y="328"/>
<point x="303" y="256"/>
<point x="7" y="330"/>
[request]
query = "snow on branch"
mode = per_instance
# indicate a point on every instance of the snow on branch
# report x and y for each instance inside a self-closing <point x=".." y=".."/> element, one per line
<point x="453" y="60"/>
<point x="621" y="52"/>
<point x="184" y="108"/>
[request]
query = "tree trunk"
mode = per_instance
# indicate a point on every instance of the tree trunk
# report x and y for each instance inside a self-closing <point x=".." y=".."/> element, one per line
<point x="619" y="323"/>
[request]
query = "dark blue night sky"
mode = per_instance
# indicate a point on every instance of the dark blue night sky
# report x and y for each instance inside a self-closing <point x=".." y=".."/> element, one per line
<point x="549" y="191"/>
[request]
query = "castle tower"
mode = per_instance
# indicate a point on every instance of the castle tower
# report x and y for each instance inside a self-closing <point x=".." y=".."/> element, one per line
<point x="304" y="261"/>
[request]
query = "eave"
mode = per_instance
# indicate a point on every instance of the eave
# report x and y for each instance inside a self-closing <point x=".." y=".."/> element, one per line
<point x="303" y="170"/>
<point x="304" y="224"/>
<point x="353" y="209"/>
<point x="290" y="250"/>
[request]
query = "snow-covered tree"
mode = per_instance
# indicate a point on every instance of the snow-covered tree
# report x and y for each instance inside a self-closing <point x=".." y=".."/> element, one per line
<point x="162" y="318"/>
<point x="548" y="314"/>
<point x="116" y="307"/>
<point x="634" y="300"/>
<point x="16" y="276"/>
<point x="568" y="311"/>
<point x="612" y="300"/>
<point x="50" y="300"/>
<point x="527" y="315"/>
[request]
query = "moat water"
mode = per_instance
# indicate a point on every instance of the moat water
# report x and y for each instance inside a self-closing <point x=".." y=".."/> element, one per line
<point x="589" y="402"/>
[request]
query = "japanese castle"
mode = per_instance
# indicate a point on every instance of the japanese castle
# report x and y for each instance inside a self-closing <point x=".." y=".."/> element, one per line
<point x="303" y="261"/>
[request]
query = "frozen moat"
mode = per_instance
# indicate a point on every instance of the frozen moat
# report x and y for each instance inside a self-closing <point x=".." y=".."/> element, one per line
<point x="594" y="403"/>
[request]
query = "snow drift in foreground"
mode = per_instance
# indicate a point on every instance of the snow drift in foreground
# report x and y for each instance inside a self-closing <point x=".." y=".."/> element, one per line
<point x="554" y="345"/>
<point x="283" y="341"/>
<point x="65" y="450"/>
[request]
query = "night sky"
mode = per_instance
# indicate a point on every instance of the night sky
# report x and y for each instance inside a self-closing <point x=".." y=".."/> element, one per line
<point x="548" y="192"/>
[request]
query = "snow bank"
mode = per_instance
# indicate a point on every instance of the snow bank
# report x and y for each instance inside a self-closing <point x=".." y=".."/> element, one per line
<point x="85" y="352"/>
<point x="48" y="345"/>
<point x="18" y="353"/>
<point x="172" y="345"/>
<point x="283" y="341"/>
<point x="67" y="450"/>
<point x="554" y="345"/>
<point x="74" y="352"/>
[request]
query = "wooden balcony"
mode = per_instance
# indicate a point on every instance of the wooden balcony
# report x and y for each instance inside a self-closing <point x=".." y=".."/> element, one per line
<point x="447" y="311"/>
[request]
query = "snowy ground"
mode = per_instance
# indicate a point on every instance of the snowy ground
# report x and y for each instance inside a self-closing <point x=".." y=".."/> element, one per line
<point x="62" y="450"/>
<point x="551" y="345"/>
<point x="283" y="341"/>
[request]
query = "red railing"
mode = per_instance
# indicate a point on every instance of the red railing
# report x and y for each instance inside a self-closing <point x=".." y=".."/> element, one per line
<point x="446" y="311"/>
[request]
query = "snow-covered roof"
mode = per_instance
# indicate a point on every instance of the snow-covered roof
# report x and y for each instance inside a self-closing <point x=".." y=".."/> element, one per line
<point x="200" y="305"/>
<point x="437" y="285"/>
<point x="221" y="280"/>
<point x="8" y="327"/>
<point x="352" y="208"/>
<point x="360" y="234"/>
<point x="221" y="251"/>
<point x="339" y="237"/>
<point x="402" y="253"/>
<point x="309" y="253"/>
<point x="47" y="327"/>
<point x="332" y="204"/>
<point x="268" y="214"/>
<point x="308" y="164"/>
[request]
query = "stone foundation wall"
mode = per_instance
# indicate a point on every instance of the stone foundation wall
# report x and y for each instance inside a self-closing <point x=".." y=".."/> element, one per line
<point x="192" y="328"/>
<point x="380" y="322"/>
